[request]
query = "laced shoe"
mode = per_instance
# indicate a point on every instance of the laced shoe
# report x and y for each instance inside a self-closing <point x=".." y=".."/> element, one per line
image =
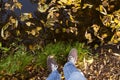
<point x="51" y="63"/>
<point x="72" y="57"/>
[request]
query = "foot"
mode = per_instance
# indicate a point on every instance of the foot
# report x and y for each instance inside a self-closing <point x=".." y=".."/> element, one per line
<point x="51" y="63"/>
<point x="72" y="57"/>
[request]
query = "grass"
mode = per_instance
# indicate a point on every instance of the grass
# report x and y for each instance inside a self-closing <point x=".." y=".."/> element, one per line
<point x="16" y="62"/>
<point x="61" y="50"/>
<point x="21" y="58"/>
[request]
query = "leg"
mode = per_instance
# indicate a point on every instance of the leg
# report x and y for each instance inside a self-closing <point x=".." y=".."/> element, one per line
<point x="72" y="73"/>
<point x="54" y="76"/>
<point x="52" y="67"/>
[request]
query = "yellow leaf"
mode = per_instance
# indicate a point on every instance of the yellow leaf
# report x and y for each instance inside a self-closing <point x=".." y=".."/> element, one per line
<point x="118" y="33"/>
<point x="12" y="20"/>
<point x="102" y="10"/>
<point x="16" y="24"/>
<point x="71" y="17"/>
<point x="4" y="34"/>
<point x="90" y="61"/>
<point x="18" y="5"/>
<point x="87" y="5"/>
<point x="61" y="22"/>
<point x="42" y="8"/>
<point x="38" y="28"/>
<point x="107" y="24"/>
<point x="7" y="6"/>
<point x="62" y="1"/>
<point x="15" y="1"/>
<point x="26" y="16"/>
<point x="115" y="41"/>
<point x="88" y="36"/>
<point x="66" y="2"/>
<point x="17" y="32"/>
<point x="31" y="47"/>
<point x="95" y="28"/>
<point x="118" y="39"/>
<point x="28" y="32"/>
<point x="95" y="46"/>
<point x="29" y="23"/>
<point x="71" y="30"/>
<point x="104" y="35"/>
<point x="119" y="24"/>
<point x="116" y="21"/>
<point x="52" y="28"/>
<point x="33" y="32"/>
<point x="76" y="33"/>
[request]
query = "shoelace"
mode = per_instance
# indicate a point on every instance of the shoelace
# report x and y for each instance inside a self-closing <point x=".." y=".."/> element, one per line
<point x="54" y="67"/>
<point x="72" y="59"/>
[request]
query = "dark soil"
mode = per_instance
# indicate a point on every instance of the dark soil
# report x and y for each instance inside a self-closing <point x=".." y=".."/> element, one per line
<point x="107" y="65"/>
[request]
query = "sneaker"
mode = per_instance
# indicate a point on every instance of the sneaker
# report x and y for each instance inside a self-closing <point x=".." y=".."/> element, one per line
<point x="72" y="57"/>
<point x="51" y="63"/>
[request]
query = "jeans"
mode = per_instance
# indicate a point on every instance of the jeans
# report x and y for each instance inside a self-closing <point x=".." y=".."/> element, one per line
<point x="70" y="72"/>
<point x="54" y="76"/>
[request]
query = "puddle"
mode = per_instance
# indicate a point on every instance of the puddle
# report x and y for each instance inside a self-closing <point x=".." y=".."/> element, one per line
<point x="27" y="7"/>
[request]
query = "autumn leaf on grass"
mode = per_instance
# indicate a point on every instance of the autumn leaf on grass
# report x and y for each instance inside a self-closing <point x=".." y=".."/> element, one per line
<point x="32" y="47"/>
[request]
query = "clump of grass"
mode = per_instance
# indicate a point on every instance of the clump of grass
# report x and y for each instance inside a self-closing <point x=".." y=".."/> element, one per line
<point x="61" y="50"/>
<point x="16" y="62"/>
<point x="20" y="59"/>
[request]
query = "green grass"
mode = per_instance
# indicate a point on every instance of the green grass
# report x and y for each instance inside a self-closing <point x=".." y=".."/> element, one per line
<point x="60" y="51"/>
<point x="16" y="62"/>
<point x="21" y="58"/>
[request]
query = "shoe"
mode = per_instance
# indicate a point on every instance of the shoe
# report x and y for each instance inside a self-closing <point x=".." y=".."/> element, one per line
<point x="72" y="57"/>
<point x="51" y="64"/>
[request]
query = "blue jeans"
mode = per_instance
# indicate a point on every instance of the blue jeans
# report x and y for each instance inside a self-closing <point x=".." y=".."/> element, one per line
<point x="70" y="72"/>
